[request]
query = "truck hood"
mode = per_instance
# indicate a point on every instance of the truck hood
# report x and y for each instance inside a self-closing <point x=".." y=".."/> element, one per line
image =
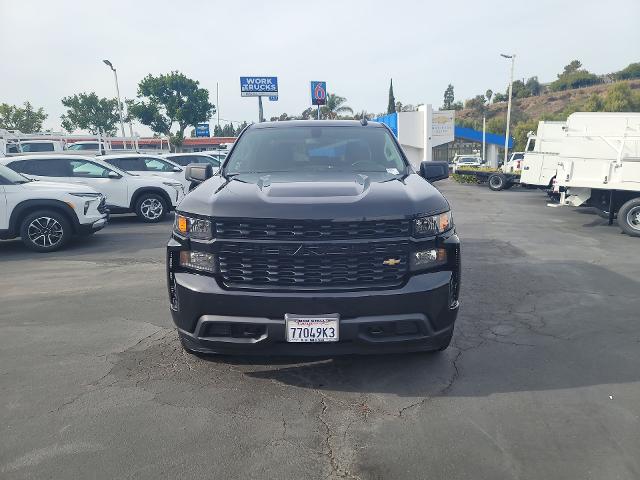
<point x="326" y="196"/>
<point x="36" y="186"/>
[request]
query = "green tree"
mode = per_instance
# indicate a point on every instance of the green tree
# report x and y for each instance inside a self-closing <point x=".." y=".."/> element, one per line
<point x="456" y="106"/>
<point x="488" y="94"/>
<point x="87" y="111"/>
<point x="620" y="98"/>
<point x="168" y="99"/>
<point x="500" y="97"/>
<point x="228" y="130"/>
<point x="335" y="106"/>
<point x="391" y="107"/>
<point x="519" y="90"/>
<point x="281" y="118"/>
<point x="449" y="98"/>
<point x="533" y="86"/>
<point x="521" y="131"/>
<point x="629" y="72"/>
<point x="573" y="66"/>
<point x="24" y="118"/>
<point x="477" y="104"/>
<point x="574" y="77"/>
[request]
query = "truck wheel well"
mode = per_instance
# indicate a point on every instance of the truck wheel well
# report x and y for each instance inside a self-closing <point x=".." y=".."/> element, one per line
<point x="157" y="191"/>
<point x="29" y="206"/>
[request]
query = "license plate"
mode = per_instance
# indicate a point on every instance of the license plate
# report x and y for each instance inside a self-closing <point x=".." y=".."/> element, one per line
<point x="312" y="328"/>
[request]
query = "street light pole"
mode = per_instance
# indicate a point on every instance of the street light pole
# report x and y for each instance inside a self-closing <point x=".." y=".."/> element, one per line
<point x="506" y="138"/>
<point x="108" y="64"/>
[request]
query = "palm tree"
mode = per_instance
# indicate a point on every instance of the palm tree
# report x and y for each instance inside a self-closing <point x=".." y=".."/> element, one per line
<point x="334" y="106"/>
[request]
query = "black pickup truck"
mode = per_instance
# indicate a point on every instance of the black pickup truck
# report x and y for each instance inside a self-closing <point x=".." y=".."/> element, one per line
<point x="314" y="238"/>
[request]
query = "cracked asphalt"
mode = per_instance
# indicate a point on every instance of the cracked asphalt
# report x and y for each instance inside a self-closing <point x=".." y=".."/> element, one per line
<point x="542" y="379"/>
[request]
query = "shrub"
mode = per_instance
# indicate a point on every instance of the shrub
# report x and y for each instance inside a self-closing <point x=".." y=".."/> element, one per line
<point x="631" y="71"/>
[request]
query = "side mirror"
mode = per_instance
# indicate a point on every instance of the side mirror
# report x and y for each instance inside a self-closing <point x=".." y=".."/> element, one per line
<point x="434" y="171"/>
<point x="114" y="175"/>
<point x="198" y="172"/>
<point x="176" y="169"/>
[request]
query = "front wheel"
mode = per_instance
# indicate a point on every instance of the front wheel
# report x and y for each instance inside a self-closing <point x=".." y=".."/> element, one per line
<point x="151" y="207"/>
<point x="629" y="217"/>
<point x="497" y="182"/>
<point x="45" y="231"/>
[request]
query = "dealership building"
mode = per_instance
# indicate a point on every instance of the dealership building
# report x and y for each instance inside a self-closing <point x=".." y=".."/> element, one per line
<point x="428" y="134"/>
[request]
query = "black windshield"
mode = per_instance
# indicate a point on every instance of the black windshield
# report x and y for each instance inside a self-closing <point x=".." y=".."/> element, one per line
<point x="315" y="148"/>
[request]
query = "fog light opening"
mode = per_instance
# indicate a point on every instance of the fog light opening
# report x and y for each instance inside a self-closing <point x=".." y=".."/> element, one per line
<point x="430" y="258"/>
<point x="201" y="261"/>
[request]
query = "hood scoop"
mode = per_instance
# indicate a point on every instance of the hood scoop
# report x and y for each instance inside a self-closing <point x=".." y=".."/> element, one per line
<point x="353" y="188"/>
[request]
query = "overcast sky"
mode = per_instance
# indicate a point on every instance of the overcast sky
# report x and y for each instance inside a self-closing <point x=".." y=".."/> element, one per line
<point x="51" y="49"/>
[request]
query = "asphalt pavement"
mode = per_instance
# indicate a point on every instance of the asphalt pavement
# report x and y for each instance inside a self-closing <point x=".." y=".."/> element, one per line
<point x="542" y="379"/>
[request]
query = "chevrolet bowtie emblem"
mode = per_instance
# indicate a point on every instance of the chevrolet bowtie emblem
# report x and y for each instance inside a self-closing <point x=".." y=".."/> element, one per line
<point x="391" y="261"/>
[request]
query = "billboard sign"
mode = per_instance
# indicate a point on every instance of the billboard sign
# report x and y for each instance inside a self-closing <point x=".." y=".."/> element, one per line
<point x="259" y="86"/>
<point x="202" y="130"/>
<point x="318" y="93"/>
<point x="442" y="127"/>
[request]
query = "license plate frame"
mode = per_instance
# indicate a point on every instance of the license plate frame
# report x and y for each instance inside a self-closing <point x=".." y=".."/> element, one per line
<point x="295" y="325"/>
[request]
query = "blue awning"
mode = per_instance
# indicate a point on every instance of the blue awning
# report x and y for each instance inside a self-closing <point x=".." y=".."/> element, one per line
<point x="476" y="136"/>
<point x="391" y="120"/>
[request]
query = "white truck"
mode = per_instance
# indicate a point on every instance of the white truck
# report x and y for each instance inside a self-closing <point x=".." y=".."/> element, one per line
<point x="535" y="167"/>
<point x="599" y="166"/>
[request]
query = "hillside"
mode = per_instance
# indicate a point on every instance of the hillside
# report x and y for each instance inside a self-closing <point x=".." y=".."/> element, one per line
<point x="545" y="105"/>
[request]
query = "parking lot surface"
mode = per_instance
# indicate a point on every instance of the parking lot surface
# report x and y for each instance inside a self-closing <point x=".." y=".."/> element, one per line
<point x="542" y="379"/>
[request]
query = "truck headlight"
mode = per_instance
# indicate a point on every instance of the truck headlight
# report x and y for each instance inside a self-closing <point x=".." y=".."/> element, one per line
<point x="432" y="225"/>
<point x="429" y="258"/>
<point x="201" y="261"/>
<point x="193" y="227"/>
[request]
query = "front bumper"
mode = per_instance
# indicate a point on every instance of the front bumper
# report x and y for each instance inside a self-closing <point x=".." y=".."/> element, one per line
<point x="211" y="319"/>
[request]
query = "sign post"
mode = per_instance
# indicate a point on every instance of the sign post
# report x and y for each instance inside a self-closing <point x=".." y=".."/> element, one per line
<point x="318" y="94"/>
<point x="259" y="87"/>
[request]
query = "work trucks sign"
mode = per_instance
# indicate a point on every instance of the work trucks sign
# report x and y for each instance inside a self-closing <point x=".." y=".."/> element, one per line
<point x="259" y="86"/>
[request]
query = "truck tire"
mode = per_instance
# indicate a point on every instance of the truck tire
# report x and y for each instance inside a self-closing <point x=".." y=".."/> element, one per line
<point x="629" y="217"/>
<point x="45" y="231"/>
<point x="151" y="207"/>
<point x="497" y="182"/>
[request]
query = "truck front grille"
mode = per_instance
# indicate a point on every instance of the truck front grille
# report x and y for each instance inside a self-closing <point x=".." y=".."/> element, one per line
<point x="256" y="229"/>
<point x="313" y="266"/>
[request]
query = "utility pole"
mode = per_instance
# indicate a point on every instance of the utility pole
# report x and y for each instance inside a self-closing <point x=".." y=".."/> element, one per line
<point x="506" y="138"/>
<point x="218" y="104"/>
<point x="484" y="138"/>
<point x="110" y="65"/>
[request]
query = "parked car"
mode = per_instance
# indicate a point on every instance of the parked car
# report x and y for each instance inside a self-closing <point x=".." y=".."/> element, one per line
<point x="150" y="198"/>
<point x="184" y="159"/>
<point x="463" y="161"/>
<point x="45" y="215"/>
<point x="148" y="166"/>
<point x="315" y="237"/>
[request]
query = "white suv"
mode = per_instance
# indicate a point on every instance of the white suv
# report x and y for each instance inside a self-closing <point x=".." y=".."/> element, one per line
<point x="147" y="166"/>
<point x="150" y="198"/>
<point x="46" y="215"/>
